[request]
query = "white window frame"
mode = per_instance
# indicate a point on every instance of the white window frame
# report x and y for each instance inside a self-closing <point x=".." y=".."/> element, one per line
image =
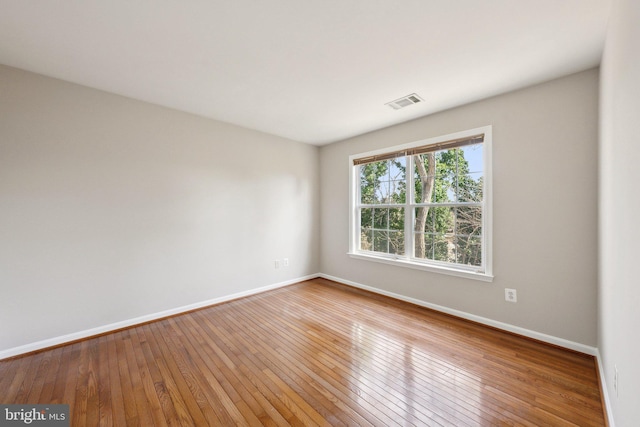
<point x="485" y="273"/>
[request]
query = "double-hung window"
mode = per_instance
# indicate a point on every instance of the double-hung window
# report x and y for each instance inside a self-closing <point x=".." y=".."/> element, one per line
<point x="425" y="205"/>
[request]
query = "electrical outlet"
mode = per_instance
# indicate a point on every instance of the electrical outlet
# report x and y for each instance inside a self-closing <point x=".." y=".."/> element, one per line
<point x="285" y="262"/>
<point x="615" y="379"/>
<point x="510" y="295"/>
<point x="277" y="263"/>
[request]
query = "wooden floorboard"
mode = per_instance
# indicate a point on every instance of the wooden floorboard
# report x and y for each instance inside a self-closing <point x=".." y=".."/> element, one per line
<point x="313" y="353"/>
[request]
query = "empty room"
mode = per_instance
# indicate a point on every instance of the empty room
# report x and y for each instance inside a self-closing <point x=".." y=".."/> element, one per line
<point x="353" y="213"/>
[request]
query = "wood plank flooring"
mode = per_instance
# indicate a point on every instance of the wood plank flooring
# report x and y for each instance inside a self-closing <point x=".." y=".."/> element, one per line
<point x="314" y="353"/>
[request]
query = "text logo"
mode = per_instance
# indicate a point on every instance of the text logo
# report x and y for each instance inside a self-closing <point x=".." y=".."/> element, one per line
<point x="34" y="415"/>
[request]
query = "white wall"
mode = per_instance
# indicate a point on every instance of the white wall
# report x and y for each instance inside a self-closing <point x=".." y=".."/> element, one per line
<point x="545" y="210"/>
<point x="112" y="208"/>
<point x="619" y="312"/>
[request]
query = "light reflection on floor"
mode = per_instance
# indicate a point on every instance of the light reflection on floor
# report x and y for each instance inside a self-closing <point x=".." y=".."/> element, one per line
<point x="398" y="373"/>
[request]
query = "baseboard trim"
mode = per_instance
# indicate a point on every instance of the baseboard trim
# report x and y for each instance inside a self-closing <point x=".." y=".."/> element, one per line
<point x="88" y="333"/>
<point x="604" y="391"/>
<point x="561" y="342"/>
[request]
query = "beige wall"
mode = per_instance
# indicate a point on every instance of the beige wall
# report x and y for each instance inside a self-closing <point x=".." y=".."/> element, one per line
<point x="111" y="209"/>
<point x="619" y="314"/>
<point x="545" y="210"/>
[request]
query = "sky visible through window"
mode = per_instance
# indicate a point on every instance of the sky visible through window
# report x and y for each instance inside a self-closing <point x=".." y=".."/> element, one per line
<point x="473" y="154"/>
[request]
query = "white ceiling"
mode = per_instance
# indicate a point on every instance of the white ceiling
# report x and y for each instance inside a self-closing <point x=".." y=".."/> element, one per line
<point x="315" y="71"/>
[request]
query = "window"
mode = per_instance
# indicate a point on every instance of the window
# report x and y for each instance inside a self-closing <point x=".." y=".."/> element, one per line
<point x="425" y="205"/>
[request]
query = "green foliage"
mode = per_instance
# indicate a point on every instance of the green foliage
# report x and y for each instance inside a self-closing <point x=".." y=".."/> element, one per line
<point x="382" y="229"/>
<point x="451" y="234"/>
<point x="370" y="175"/>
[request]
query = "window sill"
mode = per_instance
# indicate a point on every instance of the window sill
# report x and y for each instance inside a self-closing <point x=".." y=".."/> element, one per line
<point x="418" y="266"/>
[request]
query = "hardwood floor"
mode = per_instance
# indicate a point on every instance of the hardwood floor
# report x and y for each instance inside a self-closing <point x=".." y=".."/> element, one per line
<point x="314" y="353"/>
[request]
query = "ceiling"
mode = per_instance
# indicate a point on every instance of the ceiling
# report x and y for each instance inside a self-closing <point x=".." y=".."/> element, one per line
<point x="315" y="71"/>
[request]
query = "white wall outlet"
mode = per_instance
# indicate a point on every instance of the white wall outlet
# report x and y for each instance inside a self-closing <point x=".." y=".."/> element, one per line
<point x="277" y="263"/>
<point x="615" y="379"/>
<point x="510" y="295"/>
<point x="285" y="262"/>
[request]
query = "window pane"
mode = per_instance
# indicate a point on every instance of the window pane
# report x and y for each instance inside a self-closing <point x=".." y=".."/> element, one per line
<point x="382" y="230"/>
<point x="396" y="219"/>
<point x="446" y="170"/>
<point x="456" y="175"/>
<point x="396" y="242"/>
<point x="423" y="245"/>
<point x="366" y="217"/>
<point x="469" y="176"/>
<point x="424" y="176"/>
<point x="383" y="182"/>
<point x="435" y="246"/>
<point x="451" y="234"/>
<point x="436" y="184"/>
<point x="397" y="180"/>
<point x="380" y="241"/>
<point x="438" y="219"/>
<point x="382" y="192"/>
<point x="424" y="219"/>
<point x="366" y="239"/>
<point x="397" y="168"/>
<point x="380" y="218"/>
<point x="469" y="250"/>
<point x="469" y="220"/>
<point x="470" y="187"/>
<point x="444" y="247"/>
<point x="397" y="191"/>
<point x="372" y="176"/>
<point x="472" y="156"/>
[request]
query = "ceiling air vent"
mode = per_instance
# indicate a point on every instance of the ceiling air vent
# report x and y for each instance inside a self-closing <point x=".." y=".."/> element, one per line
<point x="405" y="101"/>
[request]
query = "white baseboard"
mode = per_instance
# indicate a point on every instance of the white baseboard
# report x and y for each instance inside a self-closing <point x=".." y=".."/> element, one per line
<point x="592" y="351"/>
<point x="51" y="342"/>
<point x="604" y="390"/>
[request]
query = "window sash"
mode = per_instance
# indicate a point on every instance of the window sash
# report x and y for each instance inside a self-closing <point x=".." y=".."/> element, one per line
<point x="409" y="235"/>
